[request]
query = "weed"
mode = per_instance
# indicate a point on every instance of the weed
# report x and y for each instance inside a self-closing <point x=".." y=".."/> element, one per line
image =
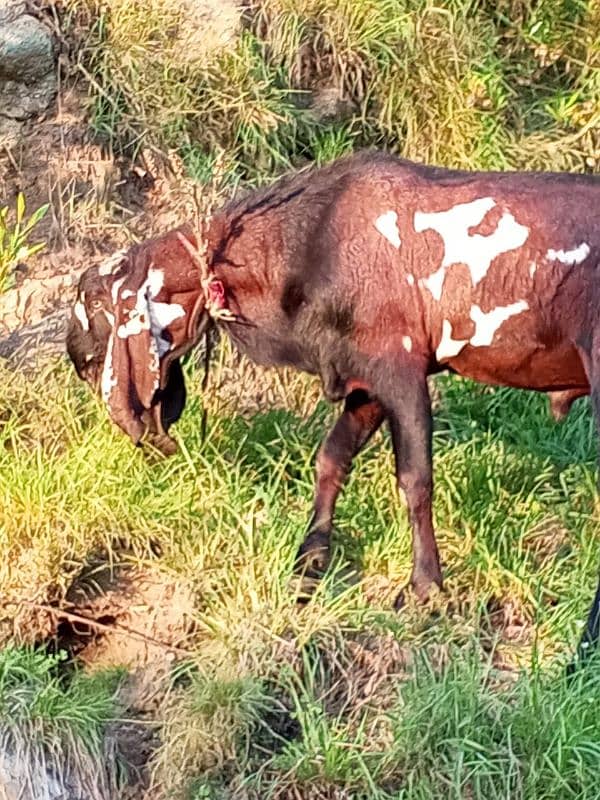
<point x="14" y="239"/>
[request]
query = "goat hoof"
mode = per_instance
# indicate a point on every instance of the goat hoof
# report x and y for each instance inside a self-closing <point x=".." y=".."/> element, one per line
<point x="422" y="590"/>
<point x="313" y="556"/>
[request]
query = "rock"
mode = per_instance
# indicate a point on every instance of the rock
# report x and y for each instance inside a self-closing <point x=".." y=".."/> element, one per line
<point x="26" y="50"/>
<point x="327" y="105"/>
<point x="10" y="10"/>
<point x="27" y="76"/>
<point x="205" y="26"/>
<point x="20" y="101"/>
<point x="10" y="132"/>
<point x="12" y="779"/>
<point x="30" y="770"/>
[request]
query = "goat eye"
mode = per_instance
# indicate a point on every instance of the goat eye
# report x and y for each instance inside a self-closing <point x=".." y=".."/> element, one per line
<point x="96" y="304"/>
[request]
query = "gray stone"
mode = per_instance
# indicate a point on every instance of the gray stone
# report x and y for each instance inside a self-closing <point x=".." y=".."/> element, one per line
<point x="10" y="132"/>
<point x="26" y="50"/>
<point x="10" y="10"/>
<point x="28" y="81"/>
<point x="21" y="101"/>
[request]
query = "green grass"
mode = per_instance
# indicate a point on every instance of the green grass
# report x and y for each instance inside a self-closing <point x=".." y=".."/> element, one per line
<point x="343" y="698"/>
<point x="53" y="732"/>
<point x="459" y="83"/>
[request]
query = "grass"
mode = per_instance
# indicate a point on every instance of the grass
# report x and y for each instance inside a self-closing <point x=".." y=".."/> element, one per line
<point x="343" y="698"/>
<point x="53" y="734"/>
<point x="463" y="84"/>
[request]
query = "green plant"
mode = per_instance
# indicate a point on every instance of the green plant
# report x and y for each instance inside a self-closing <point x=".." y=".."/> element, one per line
<point x="53" y="726"/>
<point x="14" y="244"/>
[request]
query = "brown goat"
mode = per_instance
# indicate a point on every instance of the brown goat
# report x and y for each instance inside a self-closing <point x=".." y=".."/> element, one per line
<point x="373" y="273"/>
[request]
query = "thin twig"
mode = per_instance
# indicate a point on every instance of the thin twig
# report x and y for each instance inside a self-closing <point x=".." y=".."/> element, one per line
<point x="101" y="626"/>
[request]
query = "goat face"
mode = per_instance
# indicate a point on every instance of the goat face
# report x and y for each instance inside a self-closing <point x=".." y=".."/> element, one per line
<point x="91" y="322"/>
<point x="134" y="317"/>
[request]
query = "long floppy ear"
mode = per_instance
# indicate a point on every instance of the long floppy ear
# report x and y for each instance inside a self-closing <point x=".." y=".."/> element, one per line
<point x="169" y="400"/>
<point x="131" y="374"/>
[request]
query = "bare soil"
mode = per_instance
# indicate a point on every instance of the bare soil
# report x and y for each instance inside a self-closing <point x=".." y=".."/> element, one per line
<point x="98" y="202"/>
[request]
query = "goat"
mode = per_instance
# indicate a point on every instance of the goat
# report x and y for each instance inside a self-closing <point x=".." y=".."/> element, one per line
<point x="373" y="273"/>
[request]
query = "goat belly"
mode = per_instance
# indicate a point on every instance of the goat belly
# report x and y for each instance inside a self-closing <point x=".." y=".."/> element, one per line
<point x="523" y="367"/>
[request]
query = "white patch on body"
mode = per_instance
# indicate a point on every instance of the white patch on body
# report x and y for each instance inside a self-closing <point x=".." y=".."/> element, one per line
<point x="110" y="265"/>
<point x="476" y="251"/>
<point x="139" y="318"/>
<point x="387" y="225"/>
<point x="570" y="257"/>
<point x="532" y="269"/>
<point x="407" y="343"/>
<point x="410" y="279"/>
<point x="80" y="313"/>
<point x="486" y="324"/>
<point x="126" y="293"/>
<point x="108" y="381"/>
<point x="448" y="347"/>
<point x="435" y="283"/>
<point x="154" y="363"/>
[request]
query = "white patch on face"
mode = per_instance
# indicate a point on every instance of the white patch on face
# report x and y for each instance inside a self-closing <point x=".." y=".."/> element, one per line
<point x="407" y="343"/>
<point x="570" y="257"/>
<point x="149" y="314"/>
<point x="410" y="279"/>
<point x="108" y="381"/>
<point x="448" y="347"/>
<point x="486" y="324"/>
<point x="387" y="226"/>
<point x="115" y="289"/>
<point x="80" y="313"/>
<point x="111" y="264"/>
<point x="476" y="251"/>
<point x="110" y="318"/>
<point x="161" y="316"/>
<point x="126" y="293"/>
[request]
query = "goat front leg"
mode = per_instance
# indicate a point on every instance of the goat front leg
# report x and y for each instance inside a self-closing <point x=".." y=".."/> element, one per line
<point x="411" y="426"/>
<point x="361" y="417"/>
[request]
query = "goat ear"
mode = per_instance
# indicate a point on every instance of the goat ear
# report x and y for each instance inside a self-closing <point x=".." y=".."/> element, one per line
<point x="131" y="374"/>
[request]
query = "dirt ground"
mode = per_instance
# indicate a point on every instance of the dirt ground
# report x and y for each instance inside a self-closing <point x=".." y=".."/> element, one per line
<point x="98" y="203"/>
